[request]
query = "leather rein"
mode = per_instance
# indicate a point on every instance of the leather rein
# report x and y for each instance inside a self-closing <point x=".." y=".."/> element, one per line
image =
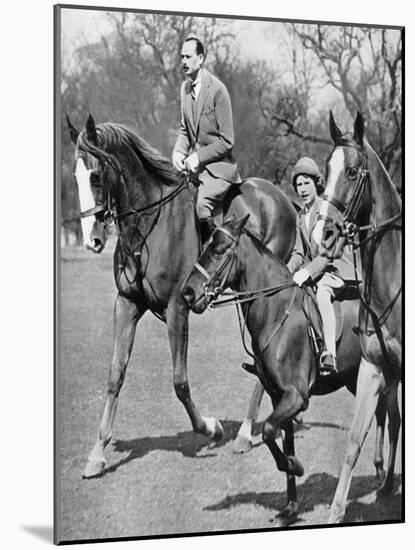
<point x="241" y="297"/>
<point x="223" y="271"/>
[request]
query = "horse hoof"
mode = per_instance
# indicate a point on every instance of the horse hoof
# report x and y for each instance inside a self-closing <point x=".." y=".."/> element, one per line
<point x="295" y="467"/>
<point x="94" y="468"/>
<point x="242" y="444"/>
<point x="288" y="516"/>
<point x="385" y="491"/>
<point x="214" y="429"/>
<point x="290" y="512"/>
<point x="336" y="515"/>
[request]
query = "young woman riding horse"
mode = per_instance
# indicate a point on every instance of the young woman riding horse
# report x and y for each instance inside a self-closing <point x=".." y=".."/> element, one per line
<point x="122" y="179"/>
<point x="278" y="320"/>
<point x="362" y="207"/>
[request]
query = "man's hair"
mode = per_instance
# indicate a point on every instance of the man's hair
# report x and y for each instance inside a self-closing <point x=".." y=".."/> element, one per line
<point x="200" y="50"/>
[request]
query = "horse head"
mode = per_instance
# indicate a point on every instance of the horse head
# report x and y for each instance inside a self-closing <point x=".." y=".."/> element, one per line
<point x="345" y="194"/>
<point x="93" y="177"/>
<point x="215" y="268"/>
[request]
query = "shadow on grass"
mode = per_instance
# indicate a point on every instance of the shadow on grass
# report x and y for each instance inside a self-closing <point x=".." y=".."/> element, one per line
<point x="190" y="444"/>
<point x="187" y="443"/>
<point x="318" y="490"/>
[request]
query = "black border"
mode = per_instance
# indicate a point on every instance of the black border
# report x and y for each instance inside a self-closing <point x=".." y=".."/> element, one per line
<point x="56" y="280"/>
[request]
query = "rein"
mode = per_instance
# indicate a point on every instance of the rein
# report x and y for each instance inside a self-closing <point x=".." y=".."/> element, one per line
<point x="241" y="297"/>
<point x="250" y="295"/>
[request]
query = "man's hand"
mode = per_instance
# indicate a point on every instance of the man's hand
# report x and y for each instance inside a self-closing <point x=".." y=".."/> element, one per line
<point x="178" y="160"/>
<point x="301" y="276"/>
<point x="192" y="163"/>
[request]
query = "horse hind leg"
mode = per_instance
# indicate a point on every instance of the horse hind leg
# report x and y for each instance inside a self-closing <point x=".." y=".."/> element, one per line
<point x="369" y="384"/>
<point x="126" y="316"/>
<point x="394" y="425"/>
<point x="243" y="440"/>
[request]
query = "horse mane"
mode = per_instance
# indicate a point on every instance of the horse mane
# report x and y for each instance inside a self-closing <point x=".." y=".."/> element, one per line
<point x="382" y="166"/>
<point x="112" y="137"/>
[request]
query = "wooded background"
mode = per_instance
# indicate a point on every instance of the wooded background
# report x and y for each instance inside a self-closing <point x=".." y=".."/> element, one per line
<point x="282" y="86"/>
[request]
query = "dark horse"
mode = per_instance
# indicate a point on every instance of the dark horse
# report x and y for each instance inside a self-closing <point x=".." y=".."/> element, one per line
<point x="121" y="178"/>
<point x="362" y="207"/>
<point x="278" y="322"/>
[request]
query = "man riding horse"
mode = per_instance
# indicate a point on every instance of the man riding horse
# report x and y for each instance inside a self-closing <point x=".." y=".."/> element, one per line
<point x="206" y="136"/>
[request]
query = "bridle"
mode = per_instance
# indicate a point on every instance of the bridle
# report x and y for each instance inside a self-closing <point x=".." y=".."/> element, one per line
<point x="221" y="275"/>
<point x="349" y="228"/>
<point x="108" y="217"/>
<point x="111" y="217"/>
<point x="223" y="269"/>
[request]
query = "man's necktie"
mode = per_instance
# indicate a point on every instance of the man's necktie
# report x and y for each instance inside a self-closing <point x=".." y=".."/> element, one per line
<point x="193" y="94"/>
<point x="193" y="90"/>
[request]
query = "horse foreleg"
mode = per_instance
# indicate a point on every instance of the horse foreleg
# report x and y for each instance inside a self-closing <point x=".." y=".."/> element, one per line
<point x="370" y="382"/>
<point x="126" y="316"/>
<point x="289" y="405"/>
<point x="177" y="318"/>
<point x="243" y="441"/>
<point x="394" y="426"/>
<point x="380" y="435"/>
<point x="289" y="514"/>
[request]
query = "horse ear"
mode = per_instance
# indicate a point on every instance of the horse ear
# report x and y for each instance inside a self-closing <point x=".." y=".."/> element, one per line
<point x="91" y="130"/>
<point x="335" y="131"/>
<point x="73" y="132"/>
<point x="359" y="128"/>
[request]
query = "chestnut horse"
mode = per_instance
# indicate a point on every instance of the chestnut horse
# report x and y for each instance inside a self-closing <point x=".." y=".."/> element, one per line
<point x="362" y="207"/>
<point x="122" y="179"/>
<point x="277" y="314"/>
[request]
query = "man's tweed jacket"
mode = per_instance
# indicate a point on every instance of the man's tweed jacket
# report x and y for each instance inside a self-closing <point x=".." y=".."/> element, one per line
<point x="207" y="127"/>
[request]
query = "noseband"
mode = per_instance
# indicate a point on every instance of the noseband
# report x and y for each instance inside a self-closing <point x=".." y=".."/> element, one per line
<point x="349" y="211"/>
<point x="108" y="218"/>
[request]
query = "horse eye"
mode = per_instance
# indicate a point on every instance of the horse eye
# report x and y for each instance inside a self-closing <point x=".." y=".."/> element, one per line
<point x="95" y="178"/>
<point x="352" y="172"/>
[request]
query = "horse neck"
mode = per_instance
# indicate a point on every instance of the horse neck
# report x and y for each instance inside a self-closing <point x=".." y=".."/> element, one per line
<point x="386" y="202"/>
<point x="257" y="268"/>
<point x="135" y="189"/>
<point x="382" y="264"/>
